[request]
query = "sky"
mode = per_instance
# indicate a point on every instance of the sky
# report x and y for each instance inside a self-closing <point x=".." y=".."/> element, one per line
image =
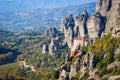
<point x="34" y="4"/>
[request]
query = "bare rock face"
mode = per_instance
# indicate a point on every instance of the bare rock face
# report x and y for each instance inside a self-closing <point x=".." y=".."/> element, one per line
<point x="117" y="77"/>
<point x="80" y="28"/>
<point x="95" y="25"/>
<point x="113" y="65"/>
<point x="51" y="32"/>
<point x="72" y="71"/>
<point x="45" y="48"/>
<point x="92" y="62"/>
<point x="116" y="32"/>
<point x="53" y="46"/>
<point x="65" y="69"/>
<point x="63" y="75"/>
<point x="74" y="68"/>
<point x="110" y="9"/>
<point x="85" y="65"/>
<point x="77" y="64"/>
<point x="67" y="27"/>
<point x="67" y="58"/>
<point x="103" y="6"/>
<point x="112" y="15"/>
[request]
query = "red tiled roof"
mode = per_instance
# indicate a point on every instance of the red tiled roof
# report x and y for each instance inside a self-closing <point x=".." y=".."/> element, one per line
<point x="75" y="53"/>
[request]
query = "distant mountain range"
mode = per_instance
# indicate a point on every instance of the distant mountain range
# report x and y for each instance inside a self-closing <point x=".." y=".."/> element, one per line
<point x="16" y="5"/>
<point x="40" y="19"/>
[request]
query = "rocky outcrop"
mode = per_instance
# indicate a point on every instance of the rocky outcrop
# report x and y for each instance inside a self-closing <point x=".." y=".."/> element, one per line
<point x="92" y="62"/>
<point x="117" y="77"/>
<point x="67" y="27"/>
<point x="51" y="32"/>
<point x="116" y="32"/>
<point x="77" y="64"/>
<point x="53" y="46"/>
<point x="64" y="70"/>
<point x="80" y="24"/>
<point x="110" y="9"/>
<point x="85" y="65"/>
<point x="44" y="48"/>
<point x="106" y="18"/>
<point x="95" y="25"/>
<point x="113" y="65"/>
<point x="74" y="68"/>
<point x="103" y="6"/>
<point x="72" y="71"/>
<point x="67" y="58"/>
<point x="112" y="15"/>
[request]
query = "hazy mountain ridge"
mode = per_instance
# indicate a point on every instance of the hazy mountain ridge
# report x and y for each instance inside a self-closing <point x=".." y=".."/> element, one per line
<point x="16" y="5"/>
<point x="41" y="18"/>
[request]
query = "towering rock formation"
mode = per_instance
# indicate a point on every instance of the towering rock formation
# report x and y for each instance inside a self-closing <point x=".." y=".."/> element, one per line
<point x="103" y="6"/>
<point x="51" y="32"/>
<point x="67" y="27"/>
<point x="80" y="24"/>
<point x="113" y="15"/>
<point x="53" y="46"/>
<point x="96" y="25"/>
<point x="44" y="48"/>
<point x="111" y="10"/>
<point x="106" y="18"/>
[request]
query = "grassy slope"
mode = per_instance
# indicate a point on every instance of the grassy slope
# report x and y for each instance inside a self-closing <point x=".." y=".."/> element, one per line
<point x="9" y="67"/>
